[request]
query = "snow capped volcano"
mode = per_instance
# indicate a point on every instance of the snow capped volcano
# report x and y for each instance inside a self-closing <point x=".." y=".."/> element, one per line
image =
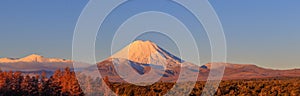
<point x="144" y="61"/>
<point x="36" y="62"/>
<point x="146" y="52"/>
<point x="141" y="61"/>
<point x="32" y="58"/>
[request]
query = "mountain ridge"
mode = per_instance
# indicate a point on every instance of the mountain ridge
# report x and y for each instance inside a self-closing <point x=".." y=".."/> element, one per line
<point x="35" y="62"/>
<point x="33" y="58"/>
<point x="169" y="71"/>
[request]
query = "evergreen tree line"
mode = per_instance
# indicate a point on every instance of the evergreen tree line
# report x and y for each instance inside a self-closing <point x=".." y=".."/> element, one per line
<point x="61" y="83"/>
<point x="65" y="83"/>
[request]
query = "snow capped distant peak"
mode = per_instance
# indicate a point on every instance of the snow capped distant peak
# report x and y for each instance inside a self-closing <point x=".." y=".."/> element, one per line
<point x="35" y="56"/>
<point x="32" y="58"/>
<point x="146" y="52"/>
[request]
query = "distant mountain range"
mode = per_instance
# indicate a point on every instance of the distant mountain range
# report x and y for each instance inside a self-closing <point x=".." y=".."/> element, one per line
<point x="33" y="58"/>
<point x="143" y="61"/>
<point x="35" y="62"/>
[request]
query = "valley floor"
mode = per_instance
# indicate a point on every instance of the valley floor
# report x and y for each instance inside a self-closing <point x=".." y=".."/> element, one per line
<point x="252" y="87"/>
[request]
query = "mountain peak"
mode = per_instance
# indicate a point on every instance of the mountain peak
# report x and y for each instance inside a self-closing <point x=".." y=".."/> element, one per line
<point x="143" y="47"/>
<point x="32" y="58"/>
<point x="141" y="42"/>
<point x="146" y="52"/>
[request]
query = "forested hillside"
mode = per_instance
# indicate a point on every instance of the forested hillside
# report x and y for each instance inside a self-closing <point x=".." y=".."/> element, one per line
<point x="65" y="83"/>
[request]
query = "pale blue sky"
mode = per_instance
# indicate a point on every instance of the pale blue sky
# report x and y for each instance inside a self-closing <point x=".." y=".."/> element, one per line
<point x="264" y="32"/>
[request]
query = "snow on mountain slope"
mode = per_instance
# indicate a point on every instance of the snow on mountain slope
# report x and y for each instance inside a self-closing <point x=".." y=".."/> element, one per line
<point x="146" y="52"/>
<point x="32" y="58"/>
<point x="36" y="62"/>
<point x="143" y="61"/>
